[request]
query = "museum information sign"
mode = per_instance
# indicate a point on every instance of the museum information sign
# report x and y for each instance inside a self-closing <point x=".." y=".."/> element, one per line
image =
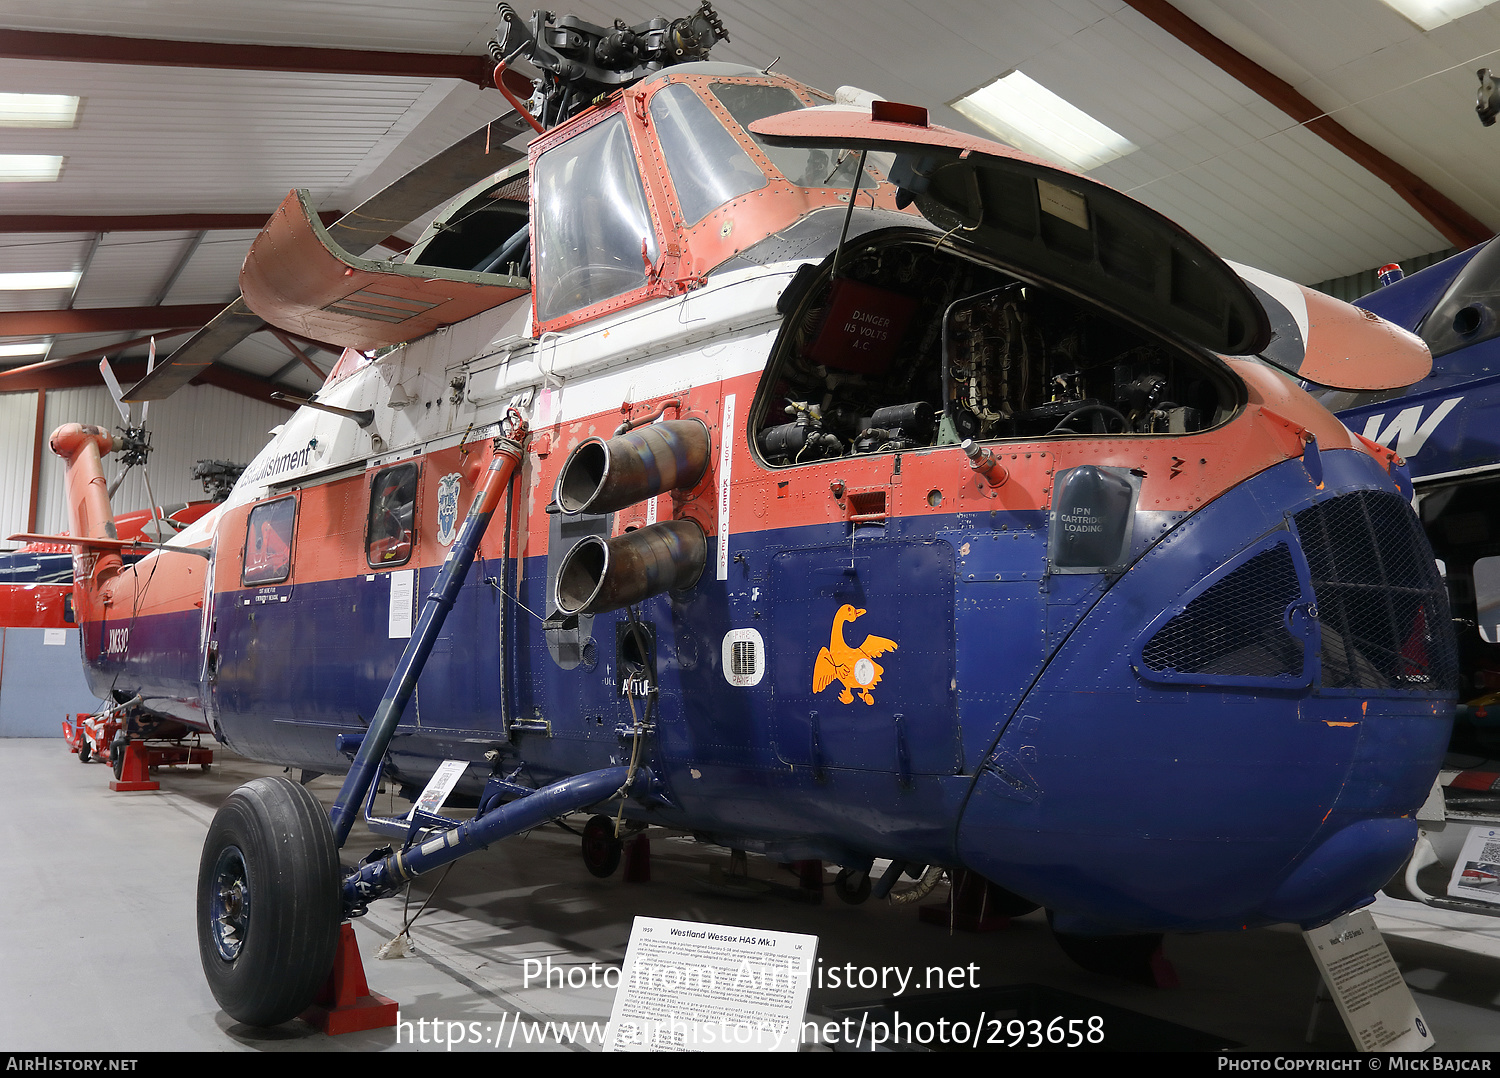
<point x="1373" y="1000"/>
<point x="690" y="987"/>
<point x="1476" y="876"/>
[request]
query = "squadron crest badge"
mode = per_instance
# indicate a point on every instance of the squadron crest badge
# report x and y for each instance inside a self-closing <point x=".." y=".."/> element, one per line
<point x="447" y="508"/>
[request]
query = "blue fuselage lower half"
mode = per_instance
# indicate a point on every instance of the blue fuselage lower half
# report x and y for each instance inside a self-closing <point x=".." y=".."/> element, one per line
<point x="1013" y="727"/>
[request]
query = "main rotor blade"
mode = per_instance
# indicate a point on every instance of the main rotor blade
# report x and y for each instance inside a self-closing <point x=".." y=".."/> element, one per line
<point x="380" y="215"/>
<point x="428" y="185"/>
<point x="227" y="329"/>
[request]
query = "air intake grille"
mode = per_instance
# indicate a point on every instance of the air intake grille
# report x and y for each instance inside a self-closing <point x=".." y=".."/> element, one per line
<point x="1237" y="627"/>
<point x="1381" y="603"/>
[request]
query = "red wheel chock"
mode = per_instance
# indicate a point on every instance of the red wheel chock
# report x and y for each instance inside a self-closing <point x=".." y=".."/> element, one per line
<point x="135" y="772"/>
<point x="346" y="1005"/>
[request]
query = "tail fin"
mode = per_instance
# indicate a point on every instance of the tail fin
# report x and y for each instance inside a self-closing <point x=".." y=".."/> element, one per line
<point x="89" y="514"/>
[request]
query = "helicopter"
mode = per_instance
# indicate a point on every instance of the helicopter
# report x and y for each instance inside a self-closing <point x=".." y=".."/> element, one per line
<point x="792" y="472"/>
<point x="1440" y="426"/>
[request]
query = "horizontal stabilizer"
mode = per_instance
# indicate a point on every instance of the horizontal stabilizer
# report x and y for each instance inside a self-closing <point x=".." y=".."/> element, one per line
<point x="104" y="544"/>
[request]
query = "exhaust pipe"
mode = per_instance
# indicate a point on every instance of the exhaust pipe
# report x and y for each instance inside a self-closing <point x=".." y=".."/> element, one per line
<point x="599" y="575"/>
<point x="602" y="477"/>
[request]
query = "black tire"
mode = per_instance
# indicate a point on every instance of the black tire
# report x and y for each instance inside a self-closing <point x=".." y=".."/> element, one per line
<point x="853" y="887"/>
<point x="269" y="904"/>
<point x="85" y="754"/>
<point x="601" y="850"/>
<point x="117" y="757"/>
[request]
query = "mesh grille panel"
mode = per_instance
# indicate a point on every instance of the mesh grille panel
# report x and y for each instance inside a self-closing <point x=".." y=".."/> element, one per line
<point x="1236" y="628"/>
<point x="1381" y="603"/>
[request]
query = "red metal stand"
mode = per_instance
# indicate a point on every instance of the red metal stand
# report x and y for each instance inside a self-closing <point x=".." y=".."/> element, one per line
<point x="638" y="860"/>
<point x="810" y="878"/>
<point x="969" y="906"/>
<point x="135" y="772"/>
<point x="172" y="755"/>
<point x="346" y="1004"/>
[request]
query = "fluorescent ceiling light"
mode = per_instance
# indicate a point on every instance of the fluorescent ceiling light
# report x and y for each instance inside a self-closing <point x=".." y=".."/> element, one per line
<point x="29" y="167"/>
<point x="1031" y="117"/>
<point x="24" y="348"/>
<point x="17" y="282"/>
<point x="1429" y="14"/>
<point x="38" y="110"/>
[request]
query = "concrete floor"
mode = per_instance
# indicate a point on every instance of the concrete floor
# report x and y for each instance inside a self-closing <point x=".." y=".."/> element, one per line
<point x="98" y="948"/>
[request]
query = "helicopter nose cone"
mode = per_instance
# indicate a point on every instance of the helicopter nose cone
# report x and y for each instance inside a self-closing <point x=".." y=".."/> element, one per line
<point x="1238" y="731"/>
<point x="1344" y="872"/>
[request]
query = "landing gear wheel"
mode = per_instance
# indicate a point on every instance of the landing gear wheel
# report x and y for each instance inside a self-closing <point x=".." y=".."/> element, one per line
<point x="268" y="902"/>
<point x="117" y="757"/>
<point x="85" y="754"/>
<point x="601" y="850"/>
<point x="851" y="886"/>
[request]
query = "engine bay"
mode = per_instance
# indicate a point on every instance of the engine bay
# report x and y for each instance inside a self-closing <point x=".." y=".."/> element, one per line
<point x="907" y="346"/>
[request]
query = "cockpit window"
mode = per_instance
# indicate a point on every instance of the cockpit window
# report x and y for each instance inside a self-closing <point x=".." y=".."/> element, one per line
<point x="707" y="164"/>
<point x="594" y="234"/>
<point x="1470" y="310"/>
<point x="748" y="102"/>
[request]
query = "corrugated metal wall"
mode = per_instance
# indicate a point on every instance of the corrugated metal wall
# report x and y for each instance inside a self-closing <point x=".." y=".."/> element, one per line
<point x="17" y="438"/>
<point x="197" y="422"/>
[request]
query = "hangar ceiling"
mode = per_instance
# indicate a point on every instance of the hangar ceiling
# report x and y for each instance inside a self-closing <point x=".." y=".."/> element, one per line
<point x="1312" y="140"/>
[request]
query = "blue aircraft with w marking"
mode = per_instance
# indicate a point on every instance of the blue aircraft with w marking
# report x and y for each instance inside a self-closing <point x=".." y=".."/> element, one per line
<point x="1447" y="427"/>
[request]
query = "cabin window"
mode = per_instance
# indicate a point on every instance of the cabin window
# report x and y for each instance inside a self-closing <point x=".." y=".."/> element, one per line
<point x="707" y="163"/>
<point x="268" y="542"/>
<point x="393" y="515"/>
<point x="594" y="233"/>
<point x="817" y="167"/>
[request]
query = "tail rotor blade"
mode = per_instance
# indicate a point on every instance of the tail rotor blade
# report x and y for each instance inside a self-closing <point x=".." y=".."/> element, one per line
<point x="150" y="366"/>
<point x="114" y="389"/>
<point x="114" y="484"/>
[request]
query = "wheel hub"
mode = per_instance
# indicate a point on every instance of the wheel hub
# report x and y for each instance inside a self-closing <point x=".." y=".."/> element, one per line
<point x="229" y="914"/>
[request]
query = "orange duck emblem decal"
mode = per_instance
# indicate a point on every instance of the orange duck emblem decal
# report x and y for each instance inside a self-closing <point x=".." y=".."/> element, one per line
<point x="855" y="667"/>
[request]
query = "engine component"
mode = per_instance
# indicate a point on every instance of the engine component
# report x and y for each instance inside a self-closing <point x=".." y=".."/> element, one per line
<point x="802" y="439"/>
<point x="602" y="477"/>
<point x="998" y="357"/>
<point x="599" y="575"/>
<point x="579" y="61"/>
<point x="985" y="463"/>
<point x="1092" y="518"/>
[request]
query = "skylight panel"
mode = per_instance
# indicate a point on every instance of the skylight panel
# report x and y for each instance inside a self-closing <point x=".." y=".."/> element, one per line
<point x="23" y="349"/>
<point x="1430" y="14"/>
<point x="29" y="167"/>
<point x="38" y="110"/>
<point x="21" y="282"/>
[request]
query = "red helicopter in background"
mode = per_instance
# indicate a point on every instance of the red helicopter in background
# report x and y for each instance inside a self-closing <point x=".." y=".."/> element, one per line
<point x="811" y="478"/>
